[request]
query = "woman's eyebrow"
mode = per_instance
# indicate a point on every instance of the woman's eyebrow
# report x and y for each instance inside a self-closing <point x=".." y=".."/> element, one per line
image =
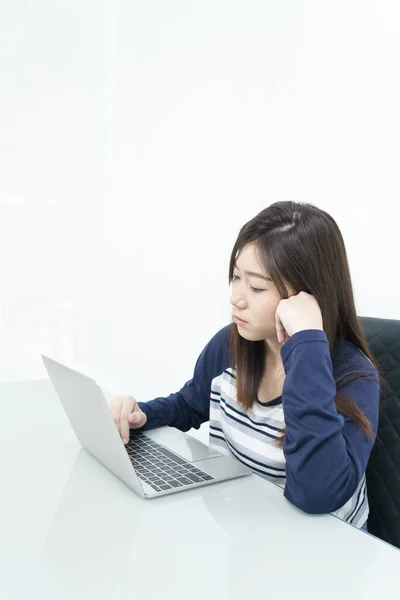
<point x="253" y="274"/>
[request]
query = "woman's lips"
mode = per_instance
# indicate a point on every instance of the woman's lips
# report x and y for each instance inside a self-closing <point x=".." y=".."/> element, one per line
<point x="239" y="321"/>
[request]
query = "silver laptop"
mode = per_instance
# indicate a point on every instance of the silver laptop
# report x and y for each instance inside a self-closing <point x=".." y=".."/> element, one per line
<point x="153" y="463"/>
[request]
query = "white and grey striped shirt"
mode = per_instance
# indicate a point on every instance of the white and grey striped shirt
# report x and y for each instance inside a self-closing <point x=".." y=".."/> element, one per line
<point x="250" y="435"/>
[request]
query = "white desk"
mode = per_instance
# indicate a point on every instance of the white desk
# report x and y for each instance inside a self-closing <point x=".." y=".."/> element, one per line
<point x="70" y="530"/>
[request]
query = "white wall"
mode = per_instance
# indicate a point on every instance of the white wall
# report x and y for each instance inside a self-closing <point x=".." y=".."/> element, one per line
<point x="137" y="138"/>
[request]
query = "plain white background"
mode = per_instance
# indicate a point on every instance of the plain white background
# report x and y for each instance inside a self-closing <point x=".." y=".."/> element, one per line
<point x="138" y="137"/>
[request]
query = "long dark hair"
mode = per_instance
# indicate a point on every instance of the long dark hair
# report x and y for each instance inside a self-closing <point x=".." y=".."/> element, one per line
<point x="302" y="245"/>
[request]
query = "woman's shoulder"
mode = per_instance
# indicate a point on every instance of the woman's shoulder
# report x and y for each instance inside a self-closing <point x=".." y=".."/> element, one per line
<point x="216" y="350"/>
<point x="348" y="357"/>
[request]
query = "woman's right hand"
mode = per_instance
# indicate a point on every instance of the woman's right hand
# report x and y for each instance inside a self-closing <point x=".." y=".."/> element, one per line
<point x="126" y="414"/>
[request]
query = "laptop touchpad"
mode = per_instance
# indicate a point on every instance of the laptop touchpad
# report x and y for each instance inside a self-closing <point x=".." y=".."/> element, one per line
<point x="186" y="446"/>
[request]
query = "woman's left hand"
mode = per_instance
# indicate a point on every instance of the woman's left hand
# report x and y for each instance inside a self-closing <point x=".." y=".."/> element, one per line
<point x="297" y="313"/>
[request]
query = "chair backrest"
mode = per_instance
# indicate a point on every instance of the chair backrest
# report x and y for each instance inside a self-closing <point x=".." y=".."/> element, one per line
<point x="383" y="471"/>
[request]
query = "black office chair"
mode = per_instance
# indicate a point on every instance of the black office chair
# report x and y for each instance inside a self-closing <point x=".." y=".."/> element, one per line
<point x="383" y="471"/>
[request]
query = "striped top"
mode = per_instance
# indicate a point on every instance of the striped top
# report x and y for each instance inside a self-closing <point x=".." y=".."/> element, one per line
<point x="250" y="436"/>
<point x="321" y="466"/>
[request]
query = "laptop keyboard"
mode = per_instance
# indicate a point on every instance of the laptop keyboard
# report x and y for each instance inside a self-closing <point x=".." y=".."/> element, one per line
<point x="159" y="467"/>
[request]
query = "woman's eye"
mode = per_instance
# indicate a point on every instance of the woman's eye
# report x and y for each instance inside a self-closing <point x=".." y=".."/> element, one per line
<point x="253" y="289"/>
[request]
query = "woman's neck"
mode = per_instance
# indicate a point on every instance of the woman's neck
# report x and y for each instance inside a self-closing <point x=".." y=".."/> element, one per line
<point x="273" y="354"/>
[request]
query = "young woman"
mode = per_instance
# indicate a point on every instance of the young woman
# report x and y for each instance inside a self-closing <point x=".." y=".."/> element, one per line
<point x="290" y="387"/>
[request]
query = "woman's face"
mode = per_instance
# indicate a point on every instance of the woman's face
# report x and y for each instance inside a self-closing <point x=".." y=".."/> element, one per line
<point x="254" y="297"/>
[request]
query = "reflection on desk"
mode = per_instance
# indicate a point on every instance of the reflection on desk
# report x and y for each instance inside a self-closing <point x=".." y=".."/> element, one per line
<point x="72" y="530"/>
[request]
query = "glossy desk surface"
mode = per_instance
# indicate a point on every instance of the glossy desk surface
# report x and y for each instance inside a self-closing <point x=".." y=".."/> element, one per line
<point x="70" y="529"/>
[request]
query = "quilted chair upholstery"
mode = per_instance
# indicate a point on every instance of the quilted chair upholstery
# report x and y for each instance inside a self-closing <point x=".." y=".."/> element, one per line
<point x="383" y="471"/>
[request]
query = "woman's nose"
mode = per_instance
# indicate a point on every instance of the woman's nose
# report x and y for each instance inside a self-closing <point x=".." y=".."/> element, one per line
<point x="238" y="300"/>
